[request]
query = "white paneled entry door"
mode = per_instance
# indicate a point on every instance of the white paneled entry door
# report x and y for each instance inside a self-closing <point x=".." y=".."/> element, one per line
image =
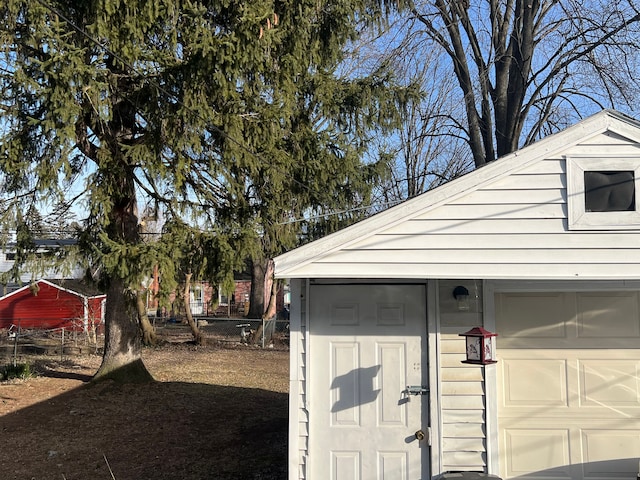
<point x="368" y="343"/>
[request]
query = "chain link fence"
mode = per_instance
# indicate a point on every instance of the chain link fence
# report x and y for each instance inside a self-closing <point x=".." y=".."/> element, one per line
<point x="242" y="331"/>
<point x="17" y="342"/>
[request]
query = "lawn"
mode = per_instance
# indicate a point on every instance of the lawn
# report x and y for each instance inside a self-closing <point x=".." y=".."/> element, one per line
<point x="213" y="413"/>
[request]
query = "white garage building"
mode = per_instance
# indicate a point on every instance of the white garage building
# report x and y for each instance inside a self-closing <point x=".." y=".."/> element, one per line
<point x="547" y="243"/>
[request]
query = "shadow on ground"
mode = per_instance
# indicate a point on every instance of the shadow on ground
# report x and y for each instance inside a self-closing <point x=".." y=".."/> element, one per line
<point x="151" y="431"/>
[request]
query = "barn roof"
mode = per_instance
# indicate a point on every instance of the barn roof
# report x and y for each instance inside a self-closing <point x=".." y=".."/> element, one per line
<point x="481" y="225"/>
<point x="78" y="286"/>
<point x="74" y="286"/>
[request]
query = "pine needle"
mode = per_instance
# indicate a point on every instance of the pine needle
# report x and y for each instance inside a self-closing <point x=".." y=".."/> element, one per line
<point x="109" y="466"/>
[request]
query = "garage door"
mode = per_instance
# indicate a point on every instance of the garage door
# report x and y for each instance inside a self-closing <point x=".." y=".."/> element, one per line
<point x="569" y="385"/>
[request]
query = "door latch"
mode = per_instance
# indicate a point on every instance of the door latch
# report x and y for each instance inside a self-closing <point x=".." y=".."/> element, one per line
<point x="417" y="390"/>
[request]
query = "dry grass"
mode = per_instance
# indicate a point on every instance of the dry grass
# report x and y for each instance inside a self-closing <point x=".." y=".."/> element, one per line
<point x="213" y="413"/>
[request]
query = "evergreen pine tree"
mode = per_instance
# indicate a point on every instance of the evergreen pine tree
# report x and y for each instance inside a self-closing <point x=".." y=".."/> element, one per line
<point x="226" y="114"/>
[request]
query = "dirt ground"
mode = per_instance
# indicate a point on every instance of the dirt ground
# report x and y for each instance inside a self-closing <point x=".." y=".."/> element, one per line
<point x="213" y="413"/>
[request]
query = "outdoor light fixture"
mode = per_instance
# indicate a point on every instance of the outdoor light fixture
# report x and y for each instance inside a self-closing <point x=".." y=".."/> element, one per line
<point x="461" y="294"/>
<point x="481" y="346"/>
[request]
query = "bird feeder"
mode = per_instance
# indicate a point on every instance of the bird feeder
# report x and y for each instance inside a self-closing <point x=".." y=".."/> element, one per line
<point x="481" y="346"/>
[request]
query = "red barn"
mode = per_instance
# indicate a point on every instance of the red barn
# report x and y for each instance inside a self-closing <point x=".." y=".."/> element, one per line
<point x="49" y="304"/>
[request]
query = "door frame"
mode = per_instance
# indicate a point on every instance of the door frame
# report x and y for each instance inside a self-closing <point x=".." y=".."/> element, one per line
<point x="433" y="355"/>
<point x="431" y="331"/>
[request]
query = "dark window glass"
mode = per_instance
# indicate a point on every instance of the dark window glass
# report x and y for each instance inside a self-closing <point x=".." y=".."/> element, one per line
<point x="609" y="191"/>
<point x="11" y="256"/>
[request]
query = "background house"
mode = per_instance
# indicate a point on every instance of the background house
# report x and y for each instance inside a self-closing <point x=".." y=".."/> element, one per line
<point x="209" y="300"/>
<point x="547" y="243"/>
<point x="52" y="304"/>
<point x="7" y="260"/>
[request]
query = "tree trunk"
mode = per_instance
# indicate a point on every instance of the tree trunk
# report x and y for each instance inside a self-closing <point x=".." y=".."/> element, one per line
<point x="270" y="312"/>
<point x="195" y="331"/>
<point x="122" y="358"/>
<point x="273" y="297"/>
<point x="256" y="300"/>
<point x="149" y="337"/>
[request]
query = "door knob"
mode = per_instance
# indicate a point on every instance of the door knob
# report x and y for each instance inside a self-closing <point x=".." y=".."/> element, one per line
<point x="419" y="435"/>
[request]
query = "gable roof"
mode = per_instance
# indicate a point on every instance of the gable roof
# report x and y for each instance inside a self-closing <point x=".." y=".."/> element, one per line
<point x="73" y="286"/>
<point x="77" y="286"/>
<point x="334" y="255"/>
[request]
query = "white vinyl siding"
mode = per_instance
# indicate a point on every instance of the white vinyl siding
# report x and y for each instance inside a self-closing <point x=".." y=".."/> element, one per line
<point x="508" y="223"/>
<point x="462" y="392"/>
<point x="299" y="415"/>
<point x="514" y="226"/>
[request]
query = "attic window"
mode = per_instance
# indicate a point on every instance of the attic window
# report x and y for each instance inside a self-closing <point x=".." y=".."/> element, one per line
<point x="601" y="193"/>
<point x="612" y="191"/>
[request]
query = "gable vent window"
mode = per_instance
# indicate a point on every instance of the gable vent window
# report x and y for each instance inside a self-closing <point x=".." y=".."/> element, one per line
<point x="601" y="193"/>
<point x="609" y="191"/>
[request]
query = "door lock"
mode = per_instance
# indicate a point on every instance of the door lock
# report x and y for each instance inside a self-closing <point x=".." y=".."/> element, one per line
<point x="417" y="390"/>
<point x="420" y="435"/>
